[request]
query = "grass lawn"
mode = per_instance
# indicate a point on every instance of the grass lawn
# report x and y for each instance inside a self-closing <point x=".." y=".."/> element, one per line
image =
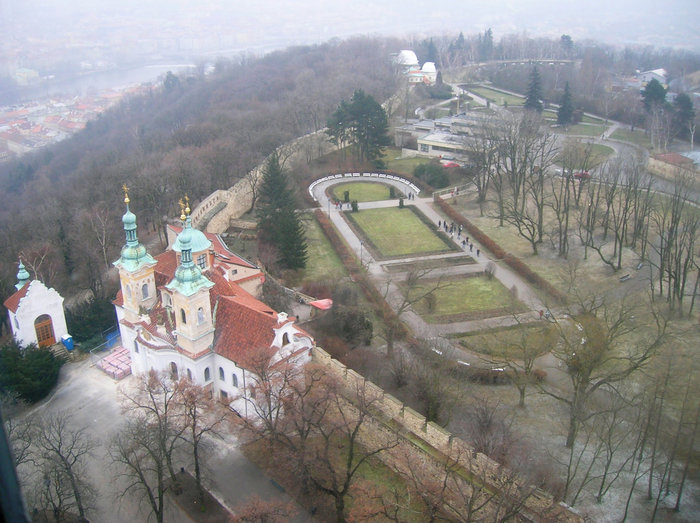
<point x="636" y="137"/>
<point x="510" y="342"/>
<point x="586" y="129"/>
<point x="363" y="191"/>
<point x="401" y="165"/>
<point x="461" y="297"/>
<point x="399" y="232"/>
<point x="599" y="153"/>
<point x="323" y="262"/>
<point x="497" y="97"/>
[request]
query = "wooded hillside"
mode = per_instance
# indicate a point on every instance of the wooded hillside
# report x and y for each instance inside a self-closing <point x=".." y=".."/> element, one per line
<point x="62" y="206"/>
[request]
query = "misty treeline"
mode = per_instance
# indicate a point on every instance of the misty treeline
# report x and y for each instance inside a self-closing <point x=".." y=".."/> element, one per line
<point x="190" y="135"/>
<point x="594" y="69"/>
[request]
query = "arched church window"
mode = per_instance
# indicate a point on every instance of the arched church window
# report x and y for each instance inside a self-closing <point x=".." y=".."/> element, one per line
<point x="207" y="374"/>
<point x="200" y="316"/>
<point x="202" y="261"/>
<point x="235" y="380"/>
<point x="222" y="377"/>
<point x="136" y="346"/>
<point x="189" y="374"/>
<point x="183" y="316"/>
<point x="173" y="370"/>
<point x="285" y="339"/>
<point x="144" y="291"/>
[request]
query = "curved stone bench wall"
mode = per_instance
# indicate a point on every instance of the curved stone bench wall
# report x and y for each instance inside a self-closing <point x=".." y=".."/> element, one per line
<point x="376" y="176"/>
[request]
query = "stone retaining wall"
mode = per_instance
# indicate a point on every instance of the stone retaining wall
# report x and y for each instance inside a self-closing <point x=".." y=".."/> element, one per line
<point x="431" y="446"/>
<point x="239" y="197"/>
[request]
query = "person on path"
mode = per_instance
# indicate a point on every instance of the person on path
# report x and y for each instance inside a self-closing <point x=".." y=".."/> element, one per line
<point x="464" y="244"/>
<point x="471" y="247"/>
<point x="439" y="224"/>
<point x="477" y="253"/>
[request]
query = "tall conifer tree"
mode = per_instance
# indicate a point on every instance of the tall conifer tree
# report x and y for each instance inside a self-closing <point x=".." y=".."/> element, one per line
<point x="278" y="223"/>
<point x="533" y="101"/>
<point x="566" y="109"/>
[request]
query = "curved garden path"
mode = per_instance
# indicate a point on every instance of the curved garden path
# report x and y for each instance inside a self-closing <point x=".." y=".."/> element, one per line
<point x="386" y="282"/>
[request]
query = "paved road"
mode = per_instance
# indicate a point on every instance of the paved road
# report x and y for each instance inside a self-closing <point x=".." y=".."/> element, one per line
<point x="93" y="398"/>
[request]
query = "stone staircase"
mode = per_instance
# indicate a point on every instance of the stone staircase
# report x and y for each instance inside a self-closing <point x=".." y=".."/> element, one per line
<point x="60" y="351"/>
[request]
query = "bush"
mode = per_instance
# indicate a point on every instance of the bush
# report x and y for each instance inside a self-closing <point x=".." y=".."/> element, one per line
<point x="400" y="203"/>
<point x="490" y="270"/>
<point x="351" y="324"/>
<point x="392" y="191"/>
<point x="433" y="174"/>
<point x="30" y="373"/>
<point x="90" y="319"/>
<point x="346" y="196"/>
<point x="354" y="206"/>
<point x="539" y="375"/>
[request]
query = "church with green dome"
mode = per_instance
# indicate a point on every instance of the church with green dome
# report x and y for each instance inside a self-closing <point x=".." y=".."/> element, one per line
<point x="193" y="312"/>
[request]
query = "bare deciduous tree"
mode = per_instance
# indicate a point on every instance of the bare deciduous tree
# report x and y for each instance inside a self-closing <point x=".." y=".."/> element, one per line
<point x="64" y="448"/>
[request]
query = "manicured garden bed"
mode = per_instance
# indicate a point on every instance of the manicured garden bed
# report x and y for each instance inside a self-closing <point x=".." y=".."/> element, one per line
<point x="392" y="232"/>
<point x="363" y="191"/>
<point x="323" y="262"/>
<point x="464" y="298"/>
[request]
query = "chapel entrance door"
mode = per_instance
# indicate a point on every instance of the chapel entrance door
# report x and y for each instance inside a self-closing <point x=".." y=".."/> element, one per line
<point x="44" y="331"/>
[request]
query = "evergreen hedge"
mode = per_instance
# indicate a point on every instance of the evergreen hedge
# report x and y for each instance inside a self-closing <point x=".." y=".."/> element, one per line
<point x="30" y="373"/>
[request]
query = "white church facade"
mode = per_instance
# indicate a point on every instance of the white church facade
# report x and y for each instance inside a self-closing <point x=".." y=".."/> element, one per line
<point x="36" y="312"/>
<point x="191" y="312"/>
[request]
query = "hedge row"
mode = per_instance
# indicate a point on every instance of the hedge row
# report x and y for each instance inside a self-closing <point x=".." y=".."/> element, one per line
<point x="474" y="232"/>
<point x="381" y="308"/>
<point x="535" y="279"/>
<point x="513" y="262"/>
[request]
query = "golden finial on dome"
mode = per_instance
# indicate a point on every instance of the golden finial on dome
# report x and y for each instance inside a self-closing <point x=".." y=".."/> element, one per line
<point x="187" y="203"/>
<point x="182" y="210"/>
<point x="126" y="194"/>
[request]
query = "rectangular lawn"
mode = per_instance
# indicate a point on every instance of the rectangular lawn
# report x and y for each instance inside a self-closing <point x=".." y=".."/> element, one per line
<point x="465" y="298"/>
<point x="323" y="262"/>
<point x="363" y="191"/>
<point x="395" y="232"/>
<point x="497" y="97"/>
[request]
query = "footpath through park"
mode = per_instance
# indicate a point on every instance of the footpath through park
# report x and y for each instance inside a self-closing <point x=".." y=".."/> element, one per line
<point x="387" y="283"/>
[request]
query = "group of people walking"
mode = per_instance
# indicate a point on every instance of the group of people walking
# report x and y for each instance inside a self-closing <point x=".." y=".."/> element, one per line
<point x="450" y="229"/>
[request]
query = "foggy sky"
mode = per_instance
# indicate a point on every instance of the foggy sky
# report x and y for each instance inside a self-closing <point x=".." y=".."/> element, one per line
<point x="213" y="24"/>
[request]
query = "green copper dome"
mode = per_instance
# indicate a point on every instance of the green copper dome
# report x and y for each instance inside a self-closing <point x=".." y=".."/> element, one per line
<point x="198" y="240"/>
<point x="22" y="276"/>
<point x="188" y="276"/>
<point x="133" y="255"/>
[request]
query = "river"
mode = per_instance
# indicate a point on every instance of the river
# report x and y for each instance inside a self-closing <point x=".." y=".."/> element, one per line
<point x="82" y="84"/>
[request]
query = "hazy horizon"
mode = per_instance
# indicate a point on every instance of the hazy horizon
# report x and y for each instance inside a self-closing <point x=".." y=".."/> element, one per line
<point x="96" y="27"/>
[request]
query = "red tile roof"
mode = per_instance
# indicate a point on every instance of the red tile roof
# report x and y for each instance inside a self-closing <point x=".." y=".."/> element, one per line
<point x="13" y="301"/>
<point x="166" y="264"/>
<point x="244" y="329"/>
<point x="674" y="159"/>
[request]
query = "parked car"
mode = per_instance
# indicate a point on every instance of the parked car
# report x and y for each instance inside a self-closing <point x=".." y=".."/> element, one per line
<point x="582" y="175"/>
